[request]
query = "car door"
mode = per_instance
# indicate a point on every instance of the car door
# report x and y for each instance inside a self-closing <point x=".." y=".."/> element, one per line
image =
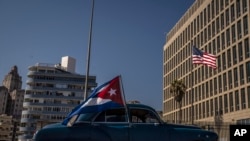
<point x="146" y="126"/>
<point x="110" y="125"/>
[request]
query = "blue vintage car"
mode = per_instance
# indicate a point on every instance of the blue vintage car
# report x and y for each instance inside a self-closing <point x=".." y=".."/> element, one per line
<point x="136" y="123"/>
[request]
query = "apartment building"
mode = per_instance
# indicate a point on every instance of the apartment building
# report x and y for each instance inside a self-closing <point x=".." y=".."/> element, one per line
<point x="219" y="27"/>
<point x="52" y="91"/>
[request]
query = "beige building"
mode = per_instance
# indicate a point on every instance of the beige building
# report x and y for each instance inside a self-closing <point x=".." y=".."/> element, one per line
<point x="6" y="128"/>
<point x="219" y="27"/>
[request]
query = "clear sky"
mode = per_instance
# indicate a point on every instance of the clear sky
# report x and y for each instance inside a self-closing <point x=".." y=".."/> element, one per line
<point x="128" y="39"/>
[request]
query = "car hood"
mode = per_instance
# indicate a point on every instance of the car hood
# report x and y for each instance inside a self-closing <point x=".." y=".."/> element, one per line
<point x="55" y="125"/>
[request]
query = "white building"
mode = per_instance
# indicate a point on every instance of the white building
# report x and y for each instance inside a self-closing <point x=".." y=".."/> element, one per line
<point x="52" y="92"/>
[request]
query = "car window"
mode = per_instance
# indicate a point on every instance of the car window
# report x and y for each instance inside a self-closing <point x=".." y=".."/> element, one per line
<point x="143" y="116"/>
<point x="85" y="117"/>
<point x="114" y="115"/>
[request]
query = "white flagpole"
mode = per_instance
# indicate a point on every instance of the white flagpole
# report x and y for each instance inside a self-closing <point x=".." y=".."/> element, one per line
<point x="123" y="97"/>
<point x="88" y="55"/>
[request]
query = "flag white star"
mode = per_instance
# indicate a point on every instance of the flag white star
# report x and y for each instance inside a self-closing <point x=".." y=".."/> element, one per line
<point x="112" y="92"/>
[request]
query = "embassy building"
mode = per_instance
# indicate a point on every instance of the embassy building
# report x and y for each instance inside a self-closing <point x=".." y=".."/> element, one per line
<point x="219" y="27"/>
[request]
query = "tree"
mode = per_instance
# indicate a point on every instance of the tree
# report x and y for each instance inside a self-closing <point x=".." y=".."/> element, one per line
<point x="178" y="89"/>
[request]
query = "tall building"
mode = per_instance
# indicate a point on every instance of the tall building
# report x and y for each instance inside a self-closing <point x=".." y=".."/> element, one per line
<point x="52" y="92"/>
<point x="219" y="27"/>
<point x="12" y="80"/>
<point x="11" y="104"/>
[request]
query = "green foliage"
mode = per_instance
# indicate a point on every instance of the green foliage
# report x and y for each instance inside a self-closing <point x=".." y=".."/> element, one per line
<point x="178" y="88"/>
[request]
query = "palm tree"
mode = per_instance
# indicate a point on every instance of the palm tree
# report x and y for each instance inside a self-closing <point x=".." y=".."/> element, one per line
<point x="178" y="88"/>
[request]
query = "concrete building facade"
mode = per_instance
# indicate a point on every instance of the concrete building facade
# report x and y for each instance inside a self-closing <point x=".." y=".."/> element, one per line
<point x="219" y="27"/>
<point x="51" y="93"/>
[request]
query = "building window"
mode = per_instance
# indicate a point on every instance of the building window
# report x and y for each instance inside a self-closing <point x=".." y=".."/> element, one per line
<point x="229" y="58"/>
<point x="227" y="17"/>
<point x="231" y="102"/>
<point x="208" y="12"/>
<point x="233" y="34"/>
<point x="218" y="25"/>
<point x="239" y="29"/>
<point x="207" y="109"/>
<point x="235" y="77"/>
<point x="230" y="81"/>
<point x="218" y="44"/>
<point x="241" y="74"/>
<point x="222" y="21"/>
<point x="223" y="40"/>
<point x="212" y="107"/>
<point x="243" y="98"/>
<point x="207" y="90"/>
<point x="248" y="71"/>
<point x="228" y="36"/>
<point x="211" y="88"/>
<point x="220" y="105"/>
<point x="215" y="86"/>
<point x="213" y="28"/>
<point x="245" y="25"/>
<point x="209" y="32"/>
<point x="237" y="101"/>
<point x="217" y="6"/>
<point x="248" y="96"/>
<point x="212" y="8"/>
<point x="247" y="48"/>
<point x="226" y="2"/>
<point x="216" y="108"/>
<point x="220" y="83"/>
<point x="244" y="5"/>
<point x="221" y="5"/>
<point x="225" y="104"/>
<point x="219" y="64"/>
<point x="238" y="8"/>
<point x="240" y="51"/>
<point x="225" y="81"/>
<point x="234" y="55"/>
<point x="224" y="61"/>
<point x="232" y="13"/>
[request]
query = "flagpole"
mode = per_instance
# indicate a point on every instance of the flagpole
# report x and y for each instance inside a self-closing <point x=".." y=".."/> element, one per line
<point x="89" y="51"/>
<point x="123" y="97"/>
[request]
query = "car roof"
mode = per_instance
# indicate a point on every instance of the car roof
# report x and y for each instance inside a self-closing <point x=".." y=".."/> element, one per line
<point x="140" y="106"/>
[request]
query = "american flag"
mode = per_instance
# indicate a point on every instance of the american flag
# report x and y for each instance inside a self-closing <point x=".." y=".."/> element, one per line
<point x="200" y="57"/>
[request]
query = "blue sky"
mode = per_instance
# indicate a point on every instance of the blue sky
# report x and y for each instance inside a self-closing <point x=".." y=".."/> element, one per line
<point x="127" y="40"/>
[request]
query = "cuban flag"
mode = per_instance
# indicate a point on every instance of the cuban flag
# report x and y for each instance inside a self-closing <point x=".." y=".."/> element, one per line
<point x="108" y="95"/>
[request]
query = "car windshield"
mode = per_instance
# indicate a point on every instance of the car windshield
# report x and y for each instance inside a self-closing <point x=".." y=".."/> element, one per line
<point x="85" y="117"/>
